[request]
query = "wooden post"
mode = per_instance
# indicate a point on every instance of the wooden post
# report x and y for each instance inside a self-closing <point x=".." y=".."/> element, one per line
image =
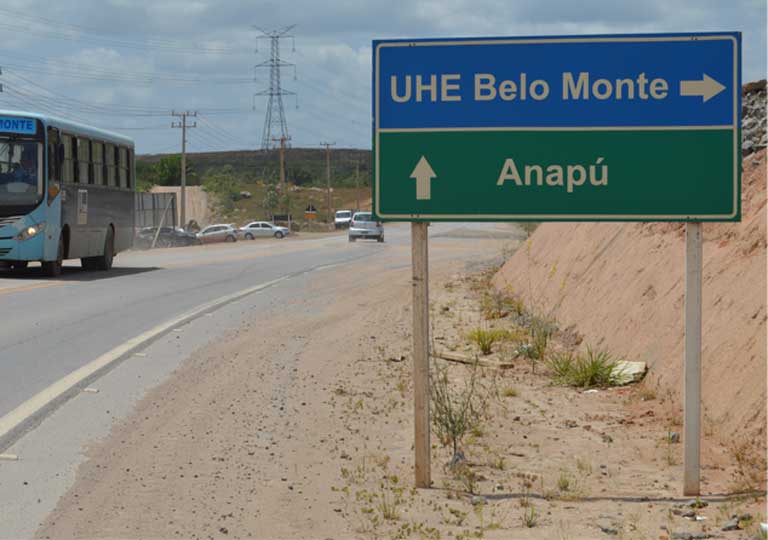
<point x="162" y="222"/>
<point x="692" y="375"/>
<point x="420" y="263"/>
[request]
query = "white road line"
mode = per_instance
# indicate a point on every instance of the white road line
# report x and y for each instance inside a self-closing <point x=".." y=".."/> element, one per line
<point x="19" y="419"/>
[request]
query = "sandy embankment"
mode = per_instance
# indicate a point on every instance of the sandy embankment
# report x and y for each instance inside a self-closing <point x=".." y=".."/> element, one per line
<point x="621" y="285"/>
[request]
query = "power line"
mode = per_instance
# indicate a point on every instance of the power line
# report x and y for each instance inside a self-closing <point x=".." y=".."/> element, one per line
<point x="61" y="102"/>
<point x="72" y="70"/>
<point x="68" y="32"/>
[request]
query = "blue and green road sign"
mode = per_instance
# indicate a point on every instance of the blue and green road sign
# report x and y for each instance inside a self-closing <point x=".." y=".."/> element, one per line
<point x="587" y="128"/>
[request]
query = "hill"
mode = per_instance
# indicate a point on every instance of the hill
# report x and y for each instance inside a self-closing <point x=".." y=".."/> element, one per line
<point x="304" y="166"/>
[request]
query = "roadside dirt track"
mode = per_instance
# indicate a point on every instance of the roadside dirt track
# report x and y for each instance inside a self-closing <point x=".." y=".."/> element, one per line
<point x="299" y="426"/>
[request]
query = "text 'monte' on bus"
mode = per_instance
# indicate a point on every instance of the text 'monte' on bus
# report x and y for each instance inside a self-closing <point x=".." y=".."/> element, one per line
<point x="66" y="192"/>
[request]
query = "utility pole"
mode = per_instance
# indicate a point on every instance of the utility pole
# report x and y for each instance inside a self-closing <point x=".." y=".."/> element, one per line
<point x="282" y="188"/>
<point x="328" y="174"/>
<point x="183" y="125"/>
<point x="282" y="141"/>
<point x="274" y="119"/>
<point x="357" y="185"/>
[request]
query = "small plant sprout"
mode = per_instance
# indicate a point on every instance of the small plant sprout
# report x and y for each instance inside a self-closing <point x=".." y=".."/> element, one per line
<point x="509" y="391"/>
<point x="530" y="518"/>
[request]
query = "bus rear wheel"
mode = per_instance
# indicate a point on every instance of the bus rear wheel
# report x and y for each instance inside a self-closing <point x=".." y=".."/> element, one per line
<point x="53" y="268"/>
<point x="101" y="262"/>
<point x="104" y="262"/>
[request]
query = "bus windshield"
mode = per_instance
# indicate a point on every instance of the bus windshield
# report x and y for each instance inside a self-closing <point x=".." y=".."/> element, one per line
<point x="21" y="178"/>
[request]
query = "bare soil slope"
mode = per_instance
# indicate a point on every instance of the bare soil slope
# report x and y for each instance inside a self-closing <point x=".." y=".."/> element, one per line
<point x="621" y="286"/>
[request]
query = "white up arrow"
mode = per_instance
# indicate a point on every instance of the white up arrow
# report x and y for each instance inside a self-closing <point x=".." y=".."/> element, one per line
<point x="423" y="174"/>
<point x="707" y="88"/>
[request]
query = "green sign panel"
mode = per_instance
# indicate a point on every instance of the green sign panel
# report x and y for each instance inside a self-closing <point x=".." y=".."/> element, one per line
<point x="626" y="128"/>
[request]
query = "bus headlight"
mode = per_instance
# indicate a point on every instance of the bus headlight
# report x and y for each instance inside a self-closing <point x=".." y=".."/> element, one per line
<point x="32" y="230"/>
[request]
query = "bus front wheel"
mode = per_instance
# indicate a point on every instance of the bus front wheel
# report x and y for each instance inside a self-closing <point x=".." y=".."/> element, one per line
<point x="53" y="268"/>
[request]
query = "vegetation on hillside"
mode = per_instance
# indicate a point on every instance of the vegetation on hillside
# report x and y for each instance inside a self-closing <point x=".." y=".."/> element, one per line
<point x="245" y="185"/>
<point x="304" y="166"/>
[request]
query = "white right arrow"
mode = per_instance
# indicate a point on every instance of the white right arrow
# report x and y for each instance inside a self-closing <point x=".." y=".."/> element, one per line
<point x="707" y="88"/>
<point x="423" y="174"/>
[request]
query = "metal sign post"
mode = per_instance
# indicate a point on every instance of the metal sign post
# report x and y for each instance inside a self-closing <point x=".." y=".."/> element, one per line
<point x="692" y="369"/>
<point x="420" y="280"/>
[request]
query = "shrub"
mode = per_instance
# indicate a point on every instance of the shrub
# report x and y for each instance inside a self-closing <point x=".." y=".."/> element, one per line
<point x="454" y="412"/>
<point x="585" y="371"/>
<point x="595" y="369"/>
<point x="485" y="339"/>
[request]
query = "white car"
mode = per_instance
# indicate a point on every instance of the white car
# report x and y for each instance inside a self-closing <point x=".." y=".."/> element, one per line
<point x="342" y="219"/>
<point x="262" y="229"/>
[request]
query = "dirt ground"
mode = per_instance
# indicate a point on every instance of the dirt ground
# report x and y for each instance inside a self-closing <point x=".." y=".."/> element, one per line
<point x="303" y="430"/>
<point x="623" y="284"/>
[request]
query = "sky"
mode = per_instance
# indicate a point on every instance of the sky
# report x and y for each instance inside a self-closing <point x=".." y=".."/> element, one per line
<point x="125" y="65"/>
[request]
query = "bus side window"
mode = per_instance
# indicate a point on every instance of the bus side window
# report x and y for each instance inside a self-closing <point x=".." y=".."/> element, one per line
<point x="110" y="163"/>
<point x="123" y="163"/>
<point x="98" y="160"/>
<point x="54" y="167"/>
<point x="83" y="160"/>
<point x="68" y="166"/>
<point x="129" y="177"/>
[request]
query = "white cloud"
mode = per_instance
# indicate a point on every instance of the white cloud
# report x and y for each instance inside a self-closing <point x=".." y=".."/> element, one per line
<point x="333" y="56"/>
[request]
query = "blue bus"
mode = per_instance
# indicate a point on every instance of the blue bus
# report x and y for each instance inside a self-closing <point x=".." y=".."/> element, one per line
<point x="66" y="192"/>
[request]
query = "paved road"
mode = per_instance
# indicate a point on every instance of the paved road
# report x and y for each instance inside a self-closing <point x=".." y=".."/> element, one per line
<point x="52" y="327"/>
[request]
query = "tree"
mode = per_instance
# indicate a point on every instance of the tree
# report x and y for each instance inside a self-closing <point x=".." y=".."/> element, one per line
<point x="223" y="186"/>
<point x="271" y="199"/>
<point x="168" y="171"/>
<point x="146" y="176"/>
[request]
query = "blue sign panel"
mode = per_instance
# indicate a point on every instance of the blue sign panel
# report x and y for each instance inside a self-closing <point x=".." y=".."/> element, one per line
<point x="15" y="124"/>
<point x="645" y="80"/>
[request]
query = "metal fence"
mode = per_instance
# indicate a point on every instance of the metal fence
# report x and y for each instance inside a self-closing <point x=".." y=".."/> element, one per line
<point x="155" y="210"/>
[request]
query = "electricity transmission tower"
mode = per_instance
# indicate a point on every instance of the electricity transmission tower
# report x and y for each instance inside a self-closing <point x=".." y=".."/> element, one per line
<point x="275" y="126"/>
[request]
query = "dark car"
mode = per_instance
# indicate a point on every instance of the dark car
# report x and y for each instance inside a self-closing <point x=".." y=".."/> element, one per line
<point x="168" y="237"/>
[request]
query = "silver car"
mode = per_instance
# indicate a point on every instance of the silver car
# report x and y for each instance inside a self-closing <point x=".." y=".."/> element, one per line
<point x="220" y="232"/>
<point x="262" y="229"/>
<point x="364" y="226"/>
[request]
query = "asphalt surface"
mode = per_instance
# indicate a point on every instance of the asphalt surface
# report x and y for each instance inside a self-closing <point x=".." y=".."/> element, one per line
<point x="52" y="327"/>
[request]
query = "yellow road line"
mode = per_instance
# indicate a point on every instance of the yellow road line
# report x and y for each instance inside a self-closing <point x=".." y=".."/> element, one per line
<point x="9" y="290"/>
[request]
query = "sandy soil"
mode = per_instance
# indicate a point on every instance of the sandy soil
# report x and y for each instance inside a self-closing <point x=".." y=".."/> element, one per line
<point x="304" y="430"/>
<point x="621" y="285"/>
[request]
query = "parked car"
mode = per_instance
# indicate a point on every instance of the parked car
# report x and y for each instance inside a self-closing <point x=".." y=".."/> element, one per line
<point x="364" y="226"/>
<point x="342" y="219"/>
<point x="262" y="229"/>
<point x="220" y="232"/>
<point x="168" y="237"/>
